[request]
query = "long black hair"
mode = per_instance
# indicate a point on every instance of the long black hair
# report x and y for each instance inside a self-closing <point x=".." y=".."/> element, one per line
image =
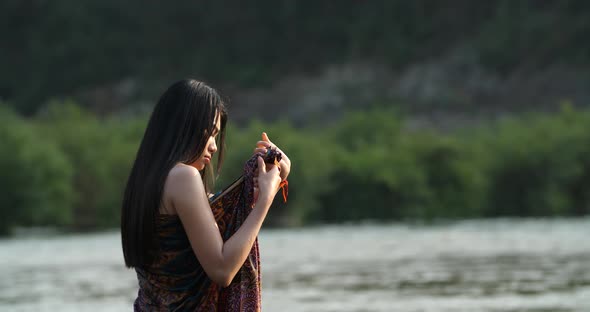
<point x="177" y="132"/>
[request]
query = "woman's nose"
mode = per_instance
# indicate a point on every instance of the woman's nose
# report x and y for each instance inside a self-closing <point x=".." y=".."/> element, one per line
<point x="213" y="147"/>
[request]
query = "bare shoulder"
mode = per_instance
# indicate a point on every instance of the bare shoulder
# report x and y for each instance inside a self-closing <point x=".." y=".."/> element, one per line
<point x="183" y="173"/>
<point x="183" y="183"/>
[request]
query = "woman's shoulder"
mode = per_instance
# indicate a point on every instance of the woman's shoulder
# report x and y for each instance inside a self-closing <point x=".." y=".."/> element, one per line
<point x="183" y="172"/>
<point x="182" y="176"/>
<point x="180" y="182"/>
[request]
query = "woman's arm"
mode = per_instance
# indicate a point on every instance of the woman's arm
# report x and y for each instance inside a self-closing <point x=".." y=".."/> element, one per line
<point x="221" y="261"/>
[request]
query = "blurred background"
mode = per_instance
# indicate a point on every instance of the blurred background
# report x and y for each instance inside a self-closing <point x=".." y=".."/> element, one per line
<point x="440" y="148"/>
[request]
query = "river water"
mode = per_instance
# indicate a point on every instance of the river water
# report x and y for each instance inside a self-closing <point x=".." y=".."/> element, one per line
<point x="499" y="266"/>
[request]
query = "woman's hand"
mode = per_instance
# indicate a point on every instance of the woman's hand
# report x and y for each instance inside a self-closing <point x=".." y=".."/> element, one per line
<point x="285" y="163"/>
<point x="267" y="181"/>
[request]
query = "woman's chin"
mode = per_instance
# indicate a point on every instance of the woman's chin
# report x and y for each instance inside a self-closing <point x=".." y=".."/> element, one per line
<point x="198" y="165"/>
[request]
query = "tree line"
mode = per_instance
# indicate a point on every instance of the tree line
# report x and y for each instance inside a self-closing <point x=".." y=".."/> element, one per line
<point x="66" y="167"/>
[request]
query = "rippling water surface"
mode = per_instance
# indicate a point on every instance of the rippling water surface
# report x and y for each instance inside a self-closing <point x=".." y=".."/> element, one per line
<point x="500" y="266"/>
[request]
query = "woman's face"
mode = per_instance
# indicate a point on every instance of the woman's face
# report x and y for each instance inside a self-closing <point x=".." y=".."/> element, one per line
<point x="210" y="147"/>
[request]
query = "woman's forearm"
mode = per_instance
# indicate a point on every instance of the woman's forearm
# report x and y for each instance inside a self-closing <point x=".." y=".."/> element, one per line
<point x="236" y="249"/>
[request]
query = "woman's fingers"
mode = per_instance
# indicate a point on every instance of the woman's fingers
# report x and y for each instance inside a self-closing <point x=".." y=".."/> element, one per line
<point x="272" y="169"/>
<point x="260" y="150"/>
<point x="269" y="167"/>
<point x="275" y="173"/>
<point x="261" y="166"/>
<point x="269" y="179"/>
<point x="263" y="144"/>
<point x="265" y="138"/>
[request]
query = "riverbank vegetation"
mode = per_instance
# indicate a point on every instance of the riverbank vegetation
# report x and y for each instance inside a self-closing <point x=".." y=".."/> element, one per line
<point x="66" y="167"/>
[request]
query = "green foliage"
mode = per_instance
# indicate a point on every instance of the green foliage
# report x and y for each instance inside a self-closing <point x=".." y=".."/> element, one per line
<point x="370" y="168"/>
<point x="389" y="173"/>
<point x="101" y="153"/>
<point x="539" y="166"/>
<point x="452" y="182"/>
<point x="35" y="185"/>
<point x="68" y="168"/>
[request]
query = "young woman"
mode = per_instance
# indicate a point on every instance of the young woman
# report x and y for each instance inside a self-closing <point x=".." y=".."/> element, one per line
<point x="169" y="231"/>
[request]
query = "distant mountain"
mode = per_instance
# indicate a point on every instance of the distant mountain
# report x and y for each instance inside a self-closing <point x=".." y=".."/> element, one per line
<point x="301" y="60"/>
